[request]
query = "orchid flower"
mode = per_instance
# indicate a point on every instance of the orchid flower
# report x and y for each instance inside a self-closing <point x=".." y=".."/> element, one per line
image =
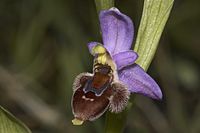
<point x="115" y="74"/>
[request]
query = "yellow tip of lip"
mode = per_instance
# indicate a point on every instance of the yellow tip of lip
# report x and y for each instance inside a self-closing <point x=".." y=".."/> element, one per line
<point x="77" y="122"/>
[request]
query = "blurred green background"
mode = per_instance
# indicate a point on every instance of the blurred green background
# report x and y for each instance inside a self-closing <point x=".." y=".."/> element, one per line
<point x="43" y="48"/>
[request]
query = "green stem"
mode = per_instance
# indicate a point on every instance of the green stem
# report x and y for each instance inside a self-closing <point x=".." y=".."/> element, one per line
<point x="104" y="4"/>
<point x="115" y="123"/>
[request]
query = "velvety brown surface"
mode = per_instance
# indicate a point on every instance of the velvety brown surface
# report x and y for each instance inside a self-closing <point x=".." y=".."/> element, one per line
<point x="99" y="80"/>
<point x="86" y="109"/>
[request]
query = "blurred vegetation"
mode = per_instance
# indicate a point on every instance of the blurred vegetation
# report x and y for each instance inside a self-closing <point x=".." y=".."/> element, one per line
<point x="43" y="47"/>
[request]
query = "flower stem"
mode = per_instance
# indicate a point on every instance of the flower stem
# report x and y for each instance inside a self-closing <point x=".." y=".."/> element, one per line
<point x="104" y="4"/>
<point x="115" y="123"/>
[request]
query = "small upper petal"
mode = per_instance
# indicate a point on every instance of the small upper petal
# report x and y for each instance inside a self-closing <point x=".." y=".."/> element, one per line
<point x="117" y="30"/>
<point x="125" y="58"/>
<point x="138" y="81"/>
<point x="91" y="45"/>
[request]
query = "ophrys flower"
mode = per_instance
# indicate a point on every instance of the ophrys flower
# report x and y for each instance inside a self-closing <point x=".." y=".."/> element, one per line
<point x="115" y="74"/>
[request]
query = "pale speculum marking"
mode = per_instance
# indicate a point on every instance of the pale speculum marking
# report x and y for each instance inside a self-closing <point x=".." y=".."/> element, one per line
<point x="87" y="99"/>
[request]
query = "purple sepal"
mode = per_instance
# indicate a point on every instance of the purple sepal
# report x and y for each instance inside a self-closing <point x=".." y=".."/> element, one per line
<point x="125" y="58"/>
<point x="138" y="81"/>
<point x="117" y="30"/>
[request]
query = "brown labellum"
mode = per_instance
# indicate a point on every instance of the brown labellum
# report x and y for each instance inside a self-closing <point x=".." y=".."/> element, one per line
<point x="95" y="93"/>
